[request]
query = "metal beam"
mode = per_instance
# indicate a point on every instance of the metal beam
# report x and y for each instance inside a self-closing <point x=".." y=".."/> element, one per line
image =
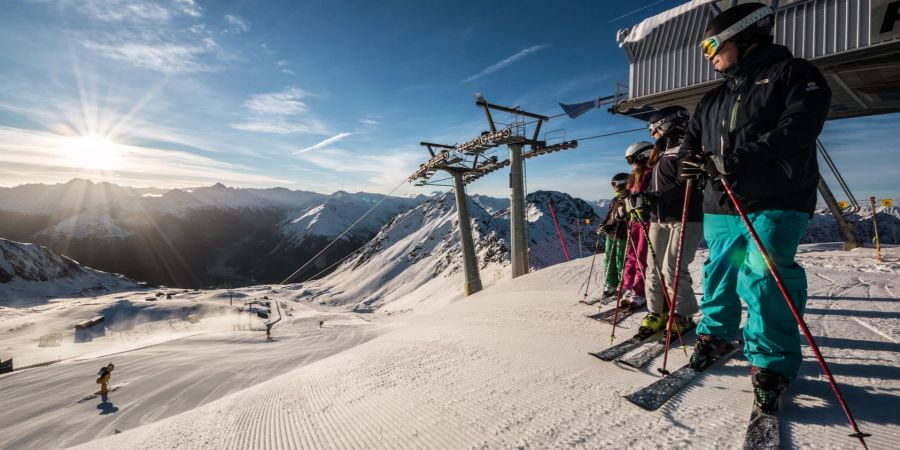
<point x="518" y="233"/>
<point x="470" y="262"/>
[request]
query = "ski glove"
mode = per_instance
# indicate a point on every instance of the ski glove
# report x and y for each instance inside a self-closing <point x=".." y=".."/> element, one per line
<point x="637" y="201"/>
<point x="692" y="167"/>
<point x="695" y="167"/>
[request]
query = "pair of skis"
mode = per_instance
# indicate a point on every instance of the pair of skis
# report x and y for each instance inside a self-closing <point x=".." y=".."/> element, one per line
<point x="763" y="430"/>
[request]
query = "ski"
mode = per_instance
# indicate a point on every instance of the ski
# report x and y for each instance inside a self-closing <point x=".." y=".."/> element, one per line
<point x="623" y="347"/>
<point x="649" y="352"/>
<point x="607" y="316"/>
<point x="601" y="300"/>
<point x="655" y="395"/>
<point x="763" y="432"/>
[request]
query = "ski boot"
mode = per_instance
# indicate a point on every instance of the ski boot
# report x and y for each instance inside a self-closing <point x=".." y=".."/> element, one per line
<point x="609" y="292"/>
<point x="707" y="350"/>
<point x="653" y="321"/>
<point x="767" y="389"/>
<point x="634" y="301"/>
<point x="683" y="323"/>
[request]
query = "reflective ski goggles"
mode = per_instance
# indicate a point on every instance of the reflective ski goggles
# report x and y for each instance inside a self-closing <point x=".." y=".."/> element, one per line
<point x="618" y="183"/>
<point x="711" y="45"/>
<point x="638" y="158"/>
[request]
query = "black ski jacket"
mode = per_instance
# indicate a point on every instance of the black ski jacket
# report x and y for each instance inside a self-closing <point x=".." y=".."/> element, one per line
<point x="621" y="226"/>
<point x="764" y="121"/>
<point x="668" y="191"/>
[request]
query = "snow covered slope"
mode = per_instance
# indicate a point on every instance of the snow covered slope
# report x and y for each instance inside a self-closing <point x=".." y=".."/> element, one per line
<point x="508" y="367"/>
<point x="30" y="273"/>
<point x="417" y="248"/>
<point x="332" y="215"/>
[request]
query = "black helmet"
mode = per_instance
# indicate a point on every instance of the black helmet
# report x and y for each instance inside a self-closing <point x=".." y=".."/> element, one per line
<point x="668" y="119"/>
<point x="745" y="24"/>
<point x="620" y="179"/>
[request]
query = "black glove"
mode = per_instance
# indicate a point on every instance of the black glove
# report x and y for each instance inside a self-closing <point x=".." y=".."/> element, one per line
<point x="696" y="166"/>
<point x="692" y="167"/>
<point x="606" y="228"/>
<point x="638" y="201"/>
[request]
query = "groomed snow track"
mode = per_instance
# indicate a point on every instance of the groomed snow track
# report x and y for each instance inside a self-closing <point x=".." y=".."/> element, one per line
<point x="508" y="367"/>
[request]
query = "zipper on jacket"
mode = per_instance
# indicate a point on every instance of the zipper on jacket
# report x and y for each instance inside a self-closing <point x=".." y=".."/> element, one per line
<point x="734" y="109"/>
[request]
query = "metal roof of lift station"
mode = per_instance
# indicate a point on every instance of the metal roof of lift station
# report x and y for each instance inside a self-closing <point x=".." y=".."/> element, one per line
<point x="855" y="43"/>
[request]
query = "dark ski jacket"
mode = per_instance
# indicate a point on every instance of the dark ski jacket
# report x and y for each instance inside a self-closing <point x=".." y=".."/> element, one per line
<point x="621" y="226"/>
<point x="668" y="191"/>
<point x="764" y="121"/>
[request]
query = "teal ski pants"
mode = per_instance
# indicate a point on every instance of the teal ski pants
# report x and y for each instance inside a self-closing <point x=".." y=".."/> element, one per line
<point x="736" y="270"/>
<point x="615" y="261"/>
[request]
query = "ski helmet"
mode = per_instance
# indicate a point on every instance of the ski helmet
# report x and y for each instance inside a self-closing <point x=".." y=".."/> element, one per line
<point x="668" y="119"/>
<point x="745" y="24"/>
<point x="638" y="152"/>
<point x="619" y="180"/>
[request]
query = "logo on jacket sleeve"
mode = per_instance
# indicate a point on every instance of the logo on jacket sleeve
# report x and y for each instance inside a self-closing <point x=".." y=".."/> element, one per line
<point x="812" y="86"/>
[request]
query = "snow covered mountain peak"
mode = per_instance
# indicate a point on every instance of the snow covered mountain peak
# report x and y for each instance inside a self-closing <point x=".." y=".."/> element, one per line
<point x="30" y="272"/>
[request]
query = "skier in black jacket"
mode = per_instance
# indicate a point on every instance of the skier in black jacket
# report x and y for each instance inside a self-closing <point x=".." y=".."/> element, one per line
<point x="615" y="227"/>
<point x="758" y="129"/>
<point x="665" y="195"/>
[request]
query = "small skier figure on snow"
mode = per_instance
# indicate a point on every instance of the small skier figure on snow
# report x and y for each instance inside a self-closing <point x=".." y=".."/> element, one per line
<point x="103" y="380"/>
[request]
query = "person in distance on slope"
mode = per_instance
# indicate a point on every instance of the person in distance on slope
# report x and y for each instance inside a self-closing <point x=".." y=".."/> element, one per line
<point x="758" y="130"/>
<point x="638" y="157"/>
<point x="614" y="227"/>
<point x="665" y="197"/>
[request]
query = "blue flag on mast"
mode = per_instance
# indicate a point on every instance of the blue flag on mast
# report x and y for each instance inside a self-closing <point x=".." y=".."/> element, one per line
<point x="577" y="109"/>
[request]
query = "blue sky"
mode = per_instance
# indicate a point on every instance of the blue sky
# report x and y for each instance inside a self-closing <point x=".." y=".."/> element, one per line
<point x="323" y="95"/>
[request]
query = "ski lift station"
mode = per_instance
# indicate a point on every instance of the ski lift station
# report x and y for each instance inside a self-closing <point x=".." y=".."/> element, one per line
<point x="854" y="43"/>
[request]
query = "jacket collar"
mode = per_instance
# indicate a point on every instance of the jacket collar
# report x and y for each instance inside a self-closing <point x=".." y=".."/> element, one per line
<point x="758" y="59"/>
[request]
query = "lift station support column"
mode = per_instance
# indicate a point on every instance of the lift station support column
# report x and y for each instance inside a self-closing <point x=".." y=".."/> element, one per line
<point x="470" y="262"/>
<point x="518" y="235"/>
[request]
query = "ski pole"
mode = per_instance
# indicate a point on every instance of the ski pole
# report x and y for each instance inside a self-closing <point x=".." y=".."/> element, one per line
<point x="587" y="283"/>
<point x="612" y="334"/>
<point x="607" y="258"/>
<point x="787" y="297"/>
<point x="684" y="214"/>
<point x="662" y="280"/>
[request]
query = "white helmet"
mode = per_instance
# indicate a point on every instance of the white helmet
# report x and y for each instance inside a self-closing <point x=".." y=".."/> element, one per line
<point x="638" y="152"/>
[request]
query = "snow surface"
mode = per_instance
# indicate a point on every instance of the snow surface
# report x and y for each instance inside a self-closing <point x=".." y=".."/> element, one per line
<point x="507" y="367"/>
<point x="30" y="273"/>
<point x="171" y="355"/>
<point x="643" y="29"/>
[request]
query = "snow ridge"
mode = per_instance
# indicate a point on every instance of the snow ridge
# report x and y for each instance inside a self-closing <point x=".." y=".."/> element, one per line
<point x="30" y="272"/>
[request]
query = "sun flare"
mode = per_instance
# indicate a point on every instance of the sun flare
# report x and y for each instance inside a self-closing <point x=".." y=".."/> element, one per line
<point x="91" y="152"/>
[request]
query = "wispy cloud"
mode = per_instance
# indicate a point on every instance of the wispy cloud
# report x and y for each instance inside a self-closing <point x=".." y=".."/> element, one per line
<point x="164" y="57"/>
<point x="189" y="7"/>
<point x="283" y="65"/>
<point x="238" y="24"/>
<point x="371" y="120"/>
<point x="31" y="155"/>
<point x="280" y="113"/>
<point x="284" y="103"/>
<point x="324" y="143"/>
<point x="521" y="54"/>
<point x="123" y="10"/>
<point x="370" y="169"/>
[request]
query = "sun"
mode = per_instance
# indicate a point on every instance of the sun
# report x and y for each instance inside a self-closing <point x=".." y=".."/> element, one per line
<point x="91" y="152"/>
